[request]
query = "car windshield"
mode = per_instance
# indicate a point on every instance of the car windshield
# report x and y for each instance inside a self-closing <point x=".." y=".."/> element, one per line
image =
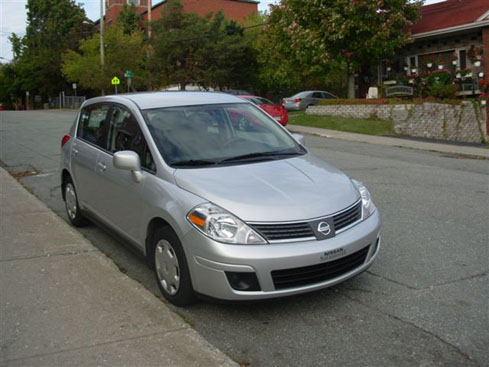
<point x="213" y="135"/>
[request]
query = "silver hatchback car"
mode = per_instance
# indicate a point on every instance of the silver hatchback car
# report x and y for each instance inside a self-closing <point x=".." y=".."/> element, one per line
<point x="221" y="199"/>
<point x="302" y="100"/>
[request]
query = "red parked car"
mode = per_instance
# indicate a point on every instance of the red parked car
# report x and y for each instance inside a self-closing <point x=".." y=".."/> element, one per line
<point x="278" y="112"/>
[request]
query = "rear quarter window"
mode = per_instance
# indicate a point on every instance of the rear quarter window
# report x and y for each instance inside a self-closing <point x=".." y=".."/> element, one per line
<point x="93" y="126"/>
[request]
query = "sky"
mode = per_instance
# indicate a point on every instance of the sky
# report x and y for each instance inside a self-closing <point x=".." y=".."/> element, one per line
<point x="13" y="19"/>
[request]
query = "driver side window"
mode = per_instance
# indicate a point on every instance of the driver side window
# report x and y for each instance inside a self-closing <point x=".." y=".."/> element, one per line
<point x="125" y="134"/>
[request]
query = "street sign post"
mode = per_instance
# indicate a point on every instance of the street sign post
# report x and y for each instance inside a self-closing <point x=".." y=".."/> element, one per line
<point x="74" y="87"/>
<point x="115" y="83"/>
<point x="129" y="75"/>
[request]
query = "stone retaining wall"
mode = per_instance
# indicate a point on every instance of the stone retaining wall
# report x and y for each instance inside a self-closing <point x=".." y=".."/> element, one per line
<point x="465" y="122"/>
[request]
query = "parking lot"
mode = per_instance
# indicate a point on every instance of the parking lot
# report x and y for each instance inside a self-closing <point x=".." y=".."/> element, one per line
<point x="424" y="302"/>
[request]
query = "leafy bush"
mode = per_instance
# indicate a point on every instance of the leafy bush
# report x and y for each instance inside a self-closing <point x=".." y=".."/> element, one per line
<point x="340" y="101"/>
<point x="443" y="90"/>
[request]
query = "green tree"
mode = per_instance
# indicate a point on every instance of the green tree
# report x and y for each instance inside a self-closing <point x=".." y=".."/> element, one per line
<point x="210" y="51"/>
<point x="122" y="52"/>
<point x="128" y="18"/>
<point x="53" y="26"/>
<point x="10" y="87"/>
<point x="17" y="45"/>
<point x="177" y="43"/>
<point x="352" y="33"/>
<point x="230" y="60"/>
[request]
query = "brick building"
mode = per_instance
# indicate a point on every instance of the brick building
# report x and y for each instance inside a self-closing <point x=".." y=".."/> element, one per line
<point x="237" y="10"/>
<point x="449" y="30"/>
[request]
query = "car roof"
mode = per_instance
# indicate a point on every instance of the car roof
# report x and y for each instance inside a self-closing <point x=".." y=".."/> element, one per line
<point x="149" y="100"/>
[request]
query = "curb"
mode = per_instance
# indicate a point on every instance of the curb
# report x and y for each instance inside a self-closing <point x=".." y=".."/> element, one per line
<point x="458" y="150"/>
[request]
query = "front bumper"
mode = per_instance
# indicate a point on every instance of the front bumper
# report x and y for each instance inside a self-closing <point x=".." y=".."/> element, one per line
<point x="210" y="260"/>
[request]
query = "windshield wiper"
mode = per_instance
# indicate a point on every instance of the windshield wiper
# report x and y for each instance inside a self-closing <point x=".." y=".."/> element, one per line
<point x="193" y="163"/>
<point x="248" y="156"/>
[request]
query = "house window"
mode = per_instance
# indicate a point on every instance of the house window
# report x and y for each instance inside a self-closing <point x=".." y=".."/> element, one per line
<point x="462" y="56"/>
<point x="133" y="2"/>
<point x="440" y="58"/>
<point x="412" y="61"/>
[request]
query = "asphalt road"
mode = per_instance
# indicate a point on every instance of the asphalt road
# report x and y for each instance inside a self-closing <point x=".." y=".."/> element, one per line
<point x="425" y="302"/>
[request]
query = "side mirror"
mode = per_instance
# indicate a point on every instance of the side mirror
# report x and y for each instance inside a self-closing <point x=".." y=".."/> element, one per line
<point x="129" y="161"/>
<point x="299" y="138"/>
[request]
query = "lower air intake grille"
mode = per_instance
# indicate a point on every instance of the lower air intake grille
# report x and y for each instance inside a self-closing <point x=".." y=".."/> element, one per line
<point x="298" y="277"/>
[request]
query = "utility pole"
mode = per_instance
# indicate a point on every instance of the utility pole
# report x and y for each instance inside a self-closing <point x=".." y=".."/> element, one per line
<point x="102" y="58"/>
<point x="149" y="18"/>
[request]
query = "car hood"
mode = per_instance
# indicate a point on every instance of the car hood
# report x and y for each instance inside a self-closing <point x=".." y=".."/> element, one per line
<point x="283" y="190"/>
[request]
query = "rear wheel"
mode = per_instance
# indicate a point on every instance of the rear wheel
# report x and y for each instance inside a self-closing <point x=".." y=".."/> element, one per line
<point x="171" y="269"/>
<point x="72" y="207"/>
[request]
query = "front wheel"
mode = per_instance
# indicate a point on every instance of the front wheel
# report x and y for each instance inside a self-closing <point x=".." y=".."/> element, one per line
<point x="171" y="268"/>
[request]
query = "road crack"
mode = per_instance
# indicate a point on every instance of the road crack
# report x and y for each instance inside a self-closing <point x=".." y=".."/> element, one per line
<point x="412" y="324"/>
<point x="69" y="253"/>
<point x="392" y="281"/>
<point x="469" y="277"/>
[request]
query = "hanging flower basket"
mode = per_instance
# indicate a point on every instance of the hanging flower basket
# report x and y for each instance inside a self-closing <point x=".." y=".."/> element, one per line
<point x="481" y="74"/>
<point x="440" y="67"/>
<point x="458" y="75"/>
<point x="413" y="70"/>
<point x="388" y="68"/>
<point x="477" y="63"/>
<point x="429" y="64"/>
<point x="454" y="62"/>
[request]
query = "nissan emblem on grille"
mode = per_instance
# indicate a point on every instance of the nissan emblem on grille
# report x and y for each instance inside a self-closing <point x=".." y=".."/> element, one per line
<point x="323" y="228"/>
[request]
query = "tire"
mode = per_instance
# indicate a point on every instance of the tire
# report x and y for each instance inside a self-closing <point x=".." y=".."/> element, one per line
<point x="171" y="268"/>
<point x="71" y="204"/>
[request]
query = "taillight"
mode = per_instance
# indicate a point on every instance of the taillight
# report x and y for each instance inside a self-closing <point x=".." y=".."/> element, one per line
<point x="65" y="140"/>
<point x="297" y="100"/>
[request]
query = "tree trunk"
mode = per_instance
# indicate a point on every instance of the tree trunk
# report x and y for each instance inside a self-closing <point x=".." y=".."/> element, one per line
<point x="351" y="85"/>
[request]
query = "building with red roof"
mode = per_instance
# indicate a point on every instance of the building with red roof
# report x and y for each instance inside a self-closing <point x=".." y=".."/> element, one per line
<point x="453" y="35"/>
<point x="237" y="10"/>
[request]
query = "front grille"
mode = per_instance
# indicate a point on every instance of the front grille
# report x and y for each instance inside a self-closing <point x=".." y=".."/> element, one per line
<point x="307" y="275"/>
<point x="350" y="216"/>
<point x="289" y="231"/>
<point x="282" y="232"/>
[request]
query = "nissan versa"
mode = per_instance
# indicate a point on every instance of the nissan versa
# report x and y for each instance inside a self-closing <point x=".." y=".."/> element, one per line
<point x="221" y="199"/>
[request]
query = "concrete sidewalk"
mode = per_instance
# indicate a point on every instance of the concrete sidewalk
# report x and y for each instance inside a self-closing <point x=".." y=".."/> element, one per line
<point x="64" y="303"/>
<point x="394" y="142"/>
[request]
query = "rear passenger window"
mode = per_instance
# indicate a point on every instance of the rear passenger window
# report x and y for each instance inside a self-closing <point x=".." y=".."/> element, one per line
<point x="93" y="126"/>
<point x="125" y="134"/>
<point x="317" y="95"/>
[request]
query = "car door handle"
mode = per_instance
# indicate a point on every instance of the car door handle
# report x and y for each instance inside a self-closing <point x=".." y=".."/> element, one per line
<point x="101" y="166"/>
<point x="75" y="151"/>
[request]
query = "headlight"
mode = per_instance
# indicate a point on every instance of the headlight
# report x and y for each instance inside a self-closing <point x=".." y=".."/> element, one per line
<point x="367" y="203"/>
<point x="222" y="226"/>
